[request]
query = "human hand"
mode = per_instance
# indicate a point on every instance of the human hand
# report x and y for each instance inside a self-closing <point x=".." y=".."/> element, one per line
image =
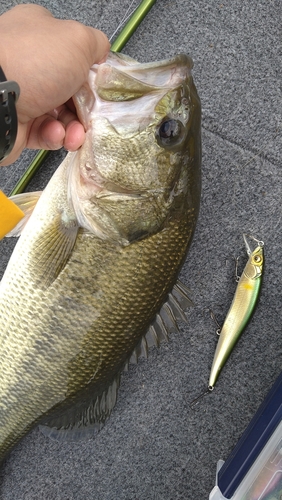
<point x="50" y="60"/>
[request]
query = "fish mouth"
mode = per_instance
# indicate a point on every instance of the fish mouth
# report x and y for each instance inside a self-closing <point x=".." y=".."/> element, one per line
<point x="121" y="99"/>
<point x="165" y="74"/>
<point x="121" y="78"/>
<point x="181" y="60"/>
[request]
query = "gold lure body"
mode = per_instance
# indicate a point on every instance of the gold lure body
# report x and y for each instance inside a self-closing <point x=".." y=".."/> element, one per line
<point x="240" y="311"/>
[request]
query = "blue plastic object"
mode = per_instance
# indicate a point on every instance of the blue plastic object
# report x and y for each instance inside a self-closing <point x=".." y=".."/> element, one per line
<point x="253" y="447"/>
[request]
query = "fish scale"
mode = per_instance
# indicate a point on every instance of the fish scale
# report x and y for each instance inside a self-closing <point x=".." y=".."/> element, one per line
<point x="114" y="330"/>
<point x="86" y="286"/>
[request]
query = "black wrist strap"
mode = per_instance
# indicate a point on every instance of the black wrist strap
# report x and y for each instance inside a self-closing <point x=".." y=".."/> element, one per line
<point x="9" y="93"/>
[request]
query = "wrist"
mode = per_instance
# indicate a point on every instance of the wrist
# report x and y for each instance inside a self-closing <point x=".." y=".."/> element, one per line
<point x="9" y="93"/>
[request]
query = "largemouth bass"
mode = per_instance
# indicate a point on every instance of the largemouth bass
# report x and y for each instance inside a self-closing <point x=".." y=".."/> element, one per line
<point x="92" y="280"/>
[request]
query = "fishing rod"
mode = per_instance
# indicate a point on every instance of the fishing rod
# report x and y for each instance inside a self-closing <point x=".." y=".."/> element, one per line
<point x="126" y="33"/>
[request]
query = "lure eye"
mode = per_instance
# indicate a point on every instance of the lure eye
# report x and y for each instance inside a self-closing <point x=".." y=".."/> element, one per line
<point x="257" y="259"/>
<point x="170" y="133"/>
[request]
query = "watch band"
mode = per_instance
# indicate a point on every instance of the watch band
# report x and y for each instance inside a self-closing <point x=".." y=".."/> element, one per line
<point x="9" y="93"/>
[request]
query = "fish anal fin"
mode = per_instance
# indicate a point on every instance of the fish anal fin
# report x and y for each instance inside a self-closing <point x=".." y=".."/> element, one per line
<point x="83" y="421"/>
<point x="26" y="203"/>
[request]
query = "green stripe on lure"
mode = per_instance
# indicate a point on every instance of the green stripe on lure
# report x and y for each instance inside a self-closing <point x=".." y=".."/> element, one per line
<point x="240" y="311"/>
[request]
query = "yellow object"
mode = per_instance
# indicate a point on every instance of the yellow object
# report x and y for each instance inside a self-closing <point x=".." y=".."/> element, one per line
<point x="10" y="215"/>
<point x="241" y="309"/>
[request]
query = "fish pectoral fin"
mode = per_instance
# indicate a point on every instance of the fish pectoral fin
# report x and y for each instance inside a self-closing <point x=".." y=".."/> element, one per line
<point x="53" y="250"/>
<point x="83" y="421"/>
<point x="26" y="203"/>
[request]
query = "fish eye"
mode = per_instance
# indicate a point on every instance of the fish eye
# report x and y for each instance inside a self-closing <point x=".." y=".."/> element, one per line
<point x="170" y="132"/>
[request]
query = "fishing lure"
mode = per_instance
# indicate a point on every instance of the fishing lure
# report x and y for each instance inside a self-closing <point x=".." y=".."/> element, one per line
<point x="240" y="311"/>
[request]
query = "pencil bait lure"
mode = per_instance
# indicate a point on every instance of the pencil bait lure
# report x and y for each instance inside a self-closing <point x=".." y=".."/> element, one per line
<point x="240" y="311"/>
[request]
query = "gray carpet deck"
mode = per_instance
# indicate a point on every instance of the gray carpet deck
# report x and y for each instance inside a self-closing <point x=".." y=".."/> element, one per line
<point x="154" y="447"/>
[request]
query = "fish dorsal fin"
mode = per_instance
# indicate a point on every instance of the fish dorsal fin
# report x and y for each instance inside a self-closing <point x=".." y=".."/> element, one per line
<point x="83" y="421"/>
<point x="181" y="293"/>
<point x="166" y="321"/>
<point x="26" y="203"/>
<point x="87" y="420"/>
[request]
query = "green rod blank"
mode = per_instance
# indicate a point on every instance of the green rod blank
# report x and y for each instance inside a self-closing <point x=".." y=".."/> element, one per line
<point x="131" y="26"/>
<point x="30" y="172"/>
